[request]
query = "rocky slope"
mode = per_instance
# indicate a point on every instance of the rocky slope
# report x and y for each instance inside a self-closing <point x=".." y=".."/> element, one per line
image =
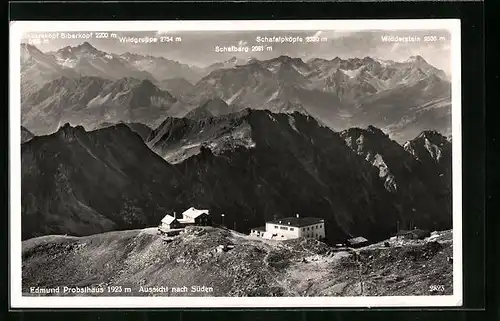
<point x="253" y="166"/>
<point x="84" y="183"/>
<point x="143" y="130"/>
<point x="212" y="107"/>
<point x="38" y="68"/>
<point x="300" y="153"/>
<point x="178" y="87"/>
<point x="89" y="101"/>
<point x="230" y="63"/>
<point x="247" y="267"/>
<point x="26" y="135"/>
<point x="86" y="60"/>
<point x="404" y="174"/>
<point x="404" y="98"/>
<point x="435" y="151"/>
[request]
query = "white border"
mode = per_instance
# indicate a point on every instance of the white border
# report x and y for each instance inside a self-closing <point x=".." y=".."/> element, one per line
<point x="18" y="301"/>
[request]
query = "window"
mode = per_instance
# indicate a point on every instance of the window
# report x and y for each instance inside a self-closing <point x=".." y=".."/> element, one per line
<point x="292" y="229"/>
<point x="283" y="228"/>
<point x="308" y="229"/>
<point x="303" y="229"/>
<point x="275" y="226"/>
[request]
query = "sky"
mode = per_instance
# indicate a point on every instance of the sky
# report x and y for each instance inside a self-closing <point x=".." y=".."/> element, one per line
<point x="198" y="47"/>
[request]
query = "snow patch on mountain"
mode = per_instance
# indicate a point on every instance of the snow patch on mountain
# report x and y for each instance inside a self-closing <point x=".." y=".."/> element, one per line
<point x="383" y="63"/>
<point x="273" y="96"/>
<point x="66" y="62"/>
<point x="291" y="121"/>
<point x="98" y="100"/>
<point x="300" y="71"/>
<point x="231" y="99"/>
<point x="433" y="150"/>
<point x="353" y="73"/>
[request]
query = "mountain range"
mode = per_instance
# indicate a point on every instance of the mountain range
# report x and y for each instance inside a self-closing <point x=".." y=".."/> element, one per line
<point x="117" y="141"/>
<point x="403" y="98"/>
<point x="251" y="165"/>
<point x="89" y="101"/>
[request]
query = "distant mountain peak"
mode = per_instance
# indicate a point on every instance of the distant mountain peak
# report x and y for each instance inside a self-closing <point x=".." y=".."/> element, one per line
<point x="430" y="134"/>
<point x="417" y="59"/>
<point x="67" y="48"/>
<point x="375" y="130"/>
<point x="211" y="107"/>
<point x="86" y="45"/>
<point x="284" y="58"/>
<point x="368" y="59"/>
<point x="215" y="100"/>
<point x="147" y="83"/>
<point x="430" y="144"/>
<point x="126" y="80"/>
<point x="132" y="55"/>
<point x="68" y="131"/>
<point x="68" y="126"/>
<point x="428" y="137"/>
<point x="369" y="129"/>
<point x="30" y="47"/>
<point x="288" y="59"/>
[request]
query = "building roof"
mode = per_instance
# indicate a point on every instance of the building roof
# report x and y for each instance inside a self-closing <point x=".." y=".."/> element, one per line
<point x="168" y="219"/>
<point x="297" y="221"/>
<point x="194" y="213"/>
<point x="357" y="240"/>
<point x="260" y="228"/>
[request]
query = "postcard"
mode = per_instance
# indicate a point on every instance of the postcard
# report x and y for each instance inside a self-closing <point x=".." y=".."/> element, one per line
<point x="188" y="164"/>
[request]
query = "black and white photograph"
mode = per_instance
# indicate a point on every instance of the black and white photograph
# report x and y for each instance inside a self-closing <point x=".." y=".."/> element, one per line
<point x="273" y="163"/>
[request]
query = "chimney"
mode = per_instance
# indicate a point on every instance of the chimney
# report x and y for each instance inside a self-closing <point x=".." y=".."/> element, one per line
<point x="175" y="215"/>
<point x="298" y="215"/>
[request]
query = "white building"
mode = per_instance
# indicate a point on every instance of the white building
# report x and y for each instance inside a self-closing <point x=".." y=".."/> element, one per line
<point x="292" y="228"/>
<point x="191" y="216"/>
<point x="169" y="222"/>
